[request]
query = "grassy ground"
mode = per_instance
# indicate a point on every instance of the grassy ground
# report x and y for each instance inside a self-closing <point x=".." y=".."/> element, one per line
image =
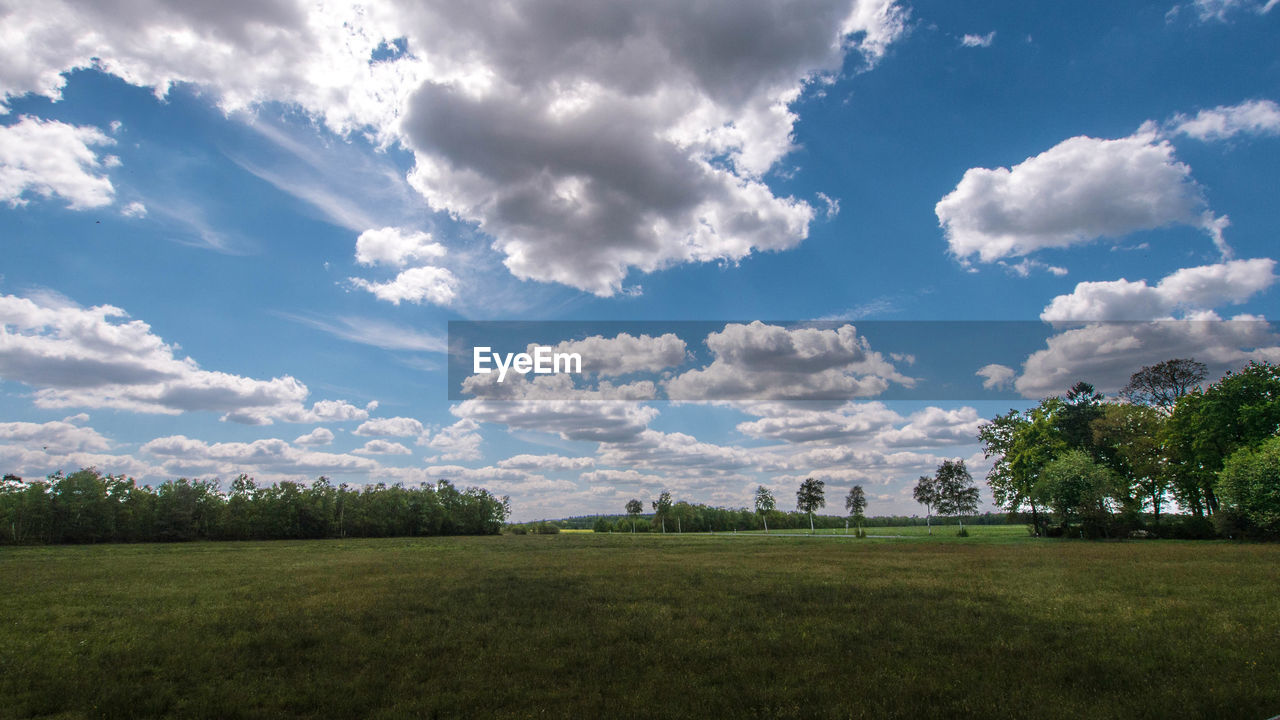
<point x="598" y="625"/>
<point x="940" y="532"/>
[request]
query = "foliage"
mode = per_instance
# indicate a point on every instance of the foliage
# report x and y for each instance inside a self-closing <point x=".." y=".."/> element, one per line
<point x="855" y="503"/>
<point x="1080" y="491"/>
<point x="88" y="507"/>
<point x="1249" y="490"/>
<point x="956" y="493"/>
<point x="662" y="508"/>
<point x="810" y="497"/>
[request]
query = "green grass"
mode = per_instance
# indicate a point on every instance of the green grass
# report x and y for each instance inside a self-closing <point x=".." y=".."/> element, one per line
<point x="940" y="532"/>
<point x="591" y="625"/>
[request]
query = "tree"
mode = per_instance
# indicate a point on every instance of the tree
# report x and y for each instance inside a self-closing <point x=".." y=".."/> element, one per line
<point x="1161" y="385"/>
<point x="810" y="497"/>
<point x="1128" y="439"/>
<point x="926" y="493"/>
<point x="1207" y="426"/>
<point x="764" y="505"/>
<point x="1079" y="489"/>
<point x="855" y="503"/>
<point x="1079" y="409"/>
<point x="1022" y="444"/>
<point x="1249" y="489"/>
<point x="633" y="509"/>
<point x="957" y="494"/>
<point x="661" y="507"/>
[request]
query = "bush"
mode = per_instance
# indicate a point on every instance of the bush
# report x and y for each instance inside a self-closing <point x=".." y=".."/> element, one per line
<point x="962" y="532"/>
<point x="1249" y="491"/>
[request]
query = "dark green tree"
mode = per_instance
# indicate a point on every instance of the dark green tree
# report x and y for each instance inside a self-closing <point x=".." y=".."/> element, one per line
<point x="765" y="504"/>
<point x="634" y="509"/>
<point x="662" y="508"/>
<point x="855" y="503"/>
<point x="957" y="495"/>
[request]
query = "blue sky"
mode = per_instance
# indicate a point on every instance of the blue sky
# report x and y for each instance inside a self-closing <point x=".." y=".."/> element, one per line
<point x="233" y="237"/>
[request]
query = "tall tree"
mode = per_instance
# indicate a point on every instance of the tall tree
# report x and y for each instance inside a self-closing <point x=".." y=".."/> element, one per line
<point x="957" y="494"/>
<point x="1161" y="385"/>
<point x="855" y="503"/>
<point x="1207" y="426"/>
<point x="661" y="508"/>
<point x="764" y="505"/>
<point x="1080" y="408"/>
<point x="810" y="497"/>
<point x="1128" y="438"/>
<point x="633" y="509"/>
<point x="926" y="493"/>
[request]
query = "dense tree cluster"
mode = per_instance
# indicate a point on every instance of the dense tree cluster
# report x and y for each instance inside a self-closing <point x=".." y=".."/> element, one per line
<point x="1086" y="466"/>
<point x="87" y="506"/>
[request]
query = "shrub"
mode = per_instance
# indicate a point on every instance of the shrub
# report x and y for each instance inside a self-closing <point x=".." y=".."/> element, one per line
<point x="962" y="532"/>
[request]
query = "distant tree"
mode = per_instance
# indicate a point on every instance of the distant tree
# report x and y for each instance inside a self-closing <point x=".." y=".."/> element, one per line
<point x="855" y="503"/>
<point x="926" y="493"/>
<point x="810" y="497"/>
<point x="633" y="509"/>
<point x="682" y="512"/>
<point x="661" y="508"/>
<point x="1161" y="385"/>
<point x="957" y="494"/>
<point x="765" y="504"/>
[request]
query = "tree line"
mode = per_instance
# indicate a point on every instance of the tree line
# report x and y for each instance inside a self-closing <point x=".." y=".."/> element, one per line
<point x="1085" y="465"/>
<point x="88" y="507"/>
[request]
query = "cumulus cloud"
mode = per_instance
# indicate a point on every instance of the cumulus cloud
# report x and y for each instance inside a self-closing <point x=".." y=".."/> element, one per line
<point x="50" y="158"/>
<point x="853" y="421"/>
<point x="1106" y="354"/>
<point x="319" y="436"/>
<point x="383" y="447"/>
<point x="971" y="41"/>
<point x="55" y="437"/>
<point x="390" y="427"/>
<point x="759" y="362"/>
<point x="1074" y="193"/>
<point x="546" y="462"/>
<point x="625" y="353"/>
<point x="996" y="376"/>
<point x="180" y="454"/>
<point x="416" y="285"/>
<point x="1196" y="288"/>
<point x="396" y="247"/>
<point x="589" y="141"/>
<point x="459" y="441"/>
<point x="1254" y="117"/>
<point x="96" y="358"/>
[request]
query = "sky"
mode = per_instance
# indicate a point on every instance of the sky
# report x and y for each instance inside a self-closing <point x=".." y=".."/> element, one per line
<point x="790" y="239"/>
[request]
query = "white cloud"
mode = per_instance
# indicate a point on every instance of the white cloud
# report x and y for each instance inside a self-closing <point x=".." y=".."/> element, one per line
<point x="971" y="41"/>
<point x="1219" y="9"/>
<point x="416" y="285"/>
<point x="1106" y="354"/>
<point x="551" y="404"/>
<point x="1074" y="193"/>
<point x="396" y="247"/>
<point x="1190" y="289"/>
<point x="94" y="358"/>
<point x="48" y="158"/>
<point x="996" y="376"/>
<point x="625" y="353"/>
<point x="767" y="362"/>
<point x="383" y="447"/>
<point x="853" y="421"/>
<point x="54" y="437"/>
<point x="180" y="454"/>
<point x="390" y="427"/>
<point x="459" y="441"/>
<point x="319" y="436"/>
<point x="588" y="140"/>
<point x="134" y="209"/>
<point x="546" y="462"/>
<point x="1254" y="117"/>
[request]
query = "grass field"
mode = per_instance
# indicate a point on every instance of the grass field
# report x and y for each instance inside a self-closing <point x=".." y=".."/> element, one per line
<point x="592" y="625"/>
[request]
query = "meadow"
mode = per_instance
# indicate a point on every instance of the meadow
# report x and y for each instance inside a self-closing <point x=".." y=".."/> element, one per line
<point x="600" y="625"/>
